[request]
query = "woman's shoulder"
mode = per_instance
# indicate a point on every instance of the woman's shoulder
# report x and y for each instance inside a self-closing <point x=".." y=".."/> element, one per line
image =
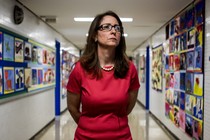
<point x="131" y="65"/>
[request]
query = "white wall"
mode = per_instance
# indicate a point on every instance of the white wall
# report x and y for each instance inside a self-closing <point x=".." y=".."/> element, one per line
<point x="24" y="115"/>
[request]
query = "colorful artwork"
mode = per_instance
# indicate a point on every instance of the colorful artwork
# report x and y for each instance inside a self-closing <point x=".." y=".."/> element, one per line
<point x="166" y="63"/>
<point x="172" y="27"/>
<point x="157" y="68"/>
<point x="167" y="77"/>
<point x="171" y="45"/>
<point x="176" y="43"/>
<point x="27" y="48"/>
<point x="191" y="38"/>
<point x="48" y="76"/>
<point x="177" y="80"/>
<point x="18" y="50"/>
<point x="40" y="76"/>
<point x="39" y="55"/>
<point x="189" y="125"/>
<point x="198" y="108"/>
<point x="28" y="77"/>
<point x="8" y="47"/>
<point x="51" y="58"/>
<point x="182" y="81"/>
<point x="182" y="100"/>
<point x="199" y="36"/>
<point x="172" y="80"/>
<point x="176" y="116"/>
<point x="9" y="83"/>
<point x="198" y="84"/>
<point x="190" y="17"/>
<point x="176" y="98"/>
<point x="1" y="40"/>
<point x="142" y="69"/>
<point x="1" y="81"/>
<point x="167" y="108"/>
<point x="197" y="129"/>
<point x="177" y="25"/>
<point x="183" y="61"/>
<point x="34" y="57"/>
<point x="198" y="55"/>
<point x="182" y="119"/>
<point x="190" y="60"/>
<point x="199" y="12"/>
<point x="190" y="102"/>
<point x="189" y="80"/>
<point x="34" y="76"/>
<point x="171" y="62"/>
<point x="176" y="62"/>
<point x="183" y="41"/>
<point x="19" y="78"/>
<point x="182" y="21"/>
<point x="169" y="96"/>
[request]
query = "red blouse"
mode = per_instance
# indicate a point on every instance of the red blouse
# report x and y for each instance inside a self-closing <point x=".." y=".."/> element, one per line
<point x="104" y="104"/>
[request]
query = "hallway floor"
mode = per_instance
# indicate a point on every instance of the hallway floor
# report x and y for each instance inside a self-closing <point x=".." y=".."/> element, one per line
<point x="142" y="125"/>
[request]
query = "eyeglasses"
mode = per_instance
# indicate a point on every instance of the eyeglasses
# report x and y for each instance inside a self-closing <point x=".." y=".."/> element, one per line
<point x="108" y="27"/>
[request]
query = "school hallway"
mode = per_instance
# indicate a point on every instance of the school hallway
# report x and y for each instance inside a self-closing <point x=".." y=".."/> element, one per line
<point x="143" y="127"/>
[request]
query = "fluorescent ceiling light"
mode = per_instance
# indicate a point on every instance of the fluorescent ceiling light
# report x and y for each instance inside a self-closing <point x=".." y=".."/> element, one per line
<point x="83" y="19"/>
<point x="126" y="19"/>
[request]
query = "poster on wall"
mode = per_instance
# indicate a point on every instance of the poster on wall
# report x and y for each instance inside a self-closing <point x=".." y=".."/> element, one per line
<point x="27" y="51"/>
<point x="9" y="84"/>
<point x="28" y="77"/>
<point x="8" y="47"/>
<point x="19" y="78"/>
<point x="1" y="81"/>
<point x="157" y="67"/>
<point x="19" y="50"/>
<point x="34" y="56"/>
<point x="1" y="40"/>
<point x="142" y="69"/>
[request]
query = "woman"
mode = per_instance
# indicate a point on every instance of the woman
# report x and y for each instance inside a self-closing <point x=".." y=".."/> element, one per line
<point x="105" y="82"/>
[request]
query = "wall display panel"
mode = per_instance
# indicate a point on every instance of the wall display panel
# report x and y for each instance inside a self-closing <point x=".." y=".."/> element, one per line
<point x="1" y="81"/>
<point x="41" y="66"/>
<point x="67" y="62"/>
<point x="157" y="67"/>
<point x="184" y="71"/>
<point x="26" y="65"/>
<point x="1" y="40"/>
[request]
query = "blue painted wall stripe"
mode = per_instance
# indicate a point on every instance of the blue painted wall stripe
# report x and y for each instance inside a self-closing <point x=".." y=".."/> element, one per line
<point x="57" y="84"/>
<point x="147" y="77"/>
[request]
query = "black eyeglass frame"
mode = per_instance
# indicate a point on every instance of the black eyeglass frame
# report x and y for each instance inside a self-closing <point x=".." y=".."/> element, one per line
<point x="110" y="27"/>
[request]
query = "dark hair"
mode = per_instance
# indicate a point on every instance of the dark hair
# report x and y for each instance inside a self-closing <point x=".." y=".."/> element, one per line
<point x="89" y="59"/>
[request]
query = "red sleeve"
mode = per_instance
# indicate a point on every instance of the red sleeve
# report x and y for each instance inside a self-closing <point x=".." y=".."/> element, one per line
<point x="74" y="82"/>
<point x="134" y="84"/>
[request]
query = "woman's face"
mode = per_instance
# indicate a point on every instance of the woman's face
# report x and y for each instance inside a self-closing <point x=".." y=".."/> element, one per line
<point x="106" y="37"/>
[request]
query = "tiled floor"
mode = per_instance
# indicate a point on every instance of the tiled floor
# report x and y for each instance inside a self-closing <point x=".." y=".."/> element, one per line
<point x="143" y="127"/>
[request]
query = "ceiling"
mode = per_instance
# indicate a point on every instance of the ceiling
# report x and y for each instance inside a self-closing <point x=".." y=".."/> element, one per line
<point x="148" y="16"/>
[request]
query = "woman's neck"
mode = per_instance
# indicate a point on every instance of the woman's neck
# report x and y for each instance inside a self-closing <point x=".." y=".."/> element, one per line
<point x="106" y="56"/>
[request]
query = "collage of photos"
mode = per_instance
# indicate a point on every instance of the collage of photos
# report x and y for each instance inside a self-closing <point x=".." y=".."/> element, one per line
<point x="67" y="62"/>
<point x="26" y="65"/>
<point x="183" y="60"/>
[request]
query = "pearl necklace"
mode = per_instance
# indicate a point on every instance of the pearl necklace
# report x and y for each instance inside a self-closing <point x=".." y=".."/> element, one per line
<point x="108" y="69"/>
